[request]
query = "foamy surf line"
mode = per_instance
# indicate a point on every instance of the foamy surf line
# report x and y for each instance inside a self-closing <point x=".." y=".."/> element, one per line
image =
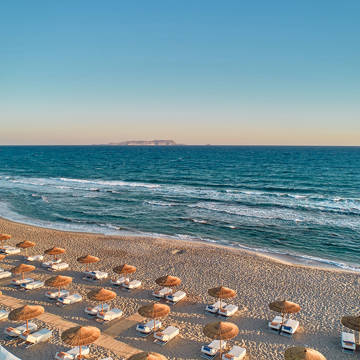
<point x="110" y="229"/>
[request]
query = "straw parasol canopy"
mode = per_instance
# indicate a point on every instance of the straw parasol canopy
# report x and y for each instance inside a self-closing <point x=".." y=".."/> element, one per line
<point x="26" y="313"/>
<point x="168" y="281"/>
<point x="22" y="268"/>
<point x="88" y="259"/>
<point x="58" y="281"/>
<point x="25" y="245"/>
<point x="0" y="293"/>
<point x="154" y="311"/>
<point x="303" y="353"/>
<point x="222" y="292"/>
<point x="80" y="335"/>
<point x="284" y="307"/>
<point x="4" y="237"/>
<point x="147" y="356"/>
<point x="124" y="269"/>
<point x="101" y="295"/>
<point x="221" y="330"/>
<point x="2" y="256"/>
<point x="55" y="251"/>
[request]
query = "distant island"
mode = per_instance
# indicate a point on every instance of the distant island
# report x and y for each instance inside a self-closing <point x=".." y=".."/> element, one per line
<point x="147" y="143"/>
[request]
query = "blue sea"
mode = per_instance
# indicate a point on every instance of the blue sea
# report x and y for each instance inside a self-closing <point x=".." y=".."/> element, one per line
<point x="301" y="202"/>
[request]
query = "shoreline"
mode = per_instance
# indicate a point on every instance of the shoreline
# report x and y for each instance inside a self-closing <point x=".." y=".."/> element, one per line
<point x="286" y="259"/>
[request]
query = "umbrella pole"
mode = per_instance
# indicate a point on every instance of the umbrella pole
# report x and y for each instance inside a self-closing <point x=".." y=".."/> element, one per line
<point x="80" y="352"/>
<point x="23" y="275"/>
<point x="27" y="325"/>
<point x="59" y="291"/>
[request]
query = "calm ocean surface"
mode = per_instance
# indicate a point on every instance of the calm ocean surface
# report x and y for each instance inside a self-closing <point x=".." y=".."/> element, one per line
<point x="298" y="201"/>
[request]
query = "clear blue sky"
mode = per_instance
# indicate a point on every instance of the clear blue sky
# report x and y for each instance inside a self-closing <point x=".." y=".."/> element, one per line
<point x="220" y="72"/>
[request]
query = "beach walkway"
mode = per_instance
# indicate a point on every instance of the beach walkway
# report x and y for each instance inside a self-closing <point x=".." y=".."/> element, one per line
<point x="105" y="340"/>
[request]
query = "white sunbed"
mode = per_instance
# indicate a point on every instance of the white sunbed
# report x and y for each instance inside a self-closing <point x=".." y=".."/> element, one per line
<point x="211" y="350"/>
<point x="93" y="310"/>
<point x="119" y="281"/>
<point x="35" y="258"/>
<point x="5" y="274"/>
<point x="48" y="264"/>
<point x="15" y="332"/>
<point x="228" y="310"/>
<point x="37" y="337"/>
<point x="176" y="297"/>
<point x="134" y="284"/>
<point x="71" y="299"/>
<point x="109" y="315"/>
<point x="214" y="308"/>
<point x="33" y="285"/>
<point x="236" y="353"/>
<point x="96" y="275"/>
<point x="72" y="354"/>
<point x="59" y="267"/>
<point x="55" y="294"/>
<point x="162" y="293"/>
<point x="19" y="282"/>
<point x="348" y="341"/>
<point x="1" y="270"/>
<point x="11" y="250"/>
<point x="164" y="336"/>
<point x="276" y="323"/>
<point x="148" y="328"/>
<point x="4" y="314"/>
<point x="289" y="327"/>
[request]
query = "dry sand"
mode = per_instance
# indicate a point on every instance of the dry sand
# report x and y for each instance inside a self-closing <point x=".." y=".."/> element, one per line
<point x="324" y="295"/>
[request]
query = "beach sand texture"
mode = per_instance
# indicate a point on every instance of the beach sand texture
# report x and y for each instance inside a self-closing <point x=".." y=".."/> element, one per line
<point x="325" y="295"/>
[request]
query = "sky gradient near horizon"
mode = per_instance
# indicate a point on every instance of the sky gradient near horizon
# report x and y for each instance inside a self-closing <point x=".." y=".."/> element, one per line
<point x="199" y="72"/>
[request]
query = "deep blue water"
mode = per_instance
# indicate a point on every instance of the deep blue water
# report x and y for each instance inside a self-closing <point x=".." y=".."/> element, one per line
<point x="291" y="200"/>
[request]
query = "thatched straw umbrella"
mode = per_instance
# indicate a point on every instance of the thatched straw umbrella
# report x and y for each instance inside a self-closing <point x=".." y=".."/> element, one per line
<point x="221" y="330"/>
<point x="80" y="335"/>
<point x="154" y="311"/>
<point x="284" y="307"/>
<point x="22" y="268"/>
<point x="2" y="256"/>
<point x="147" y="356"/>
<point x="25" y="245"/>
<point x="26" y="313"/>
<point x="222" y="292"/>
<point x="351" y="322"/>
<point x="124" y="269"/>
<point x="58" y="281"/>
<point x="303" y="353"/>
<point x="4" y="237"/>
<point x="168" y="281"/>
<point x="87" y="259"/>
<point x="55" y="251"/>
<point x="101" y="295"/>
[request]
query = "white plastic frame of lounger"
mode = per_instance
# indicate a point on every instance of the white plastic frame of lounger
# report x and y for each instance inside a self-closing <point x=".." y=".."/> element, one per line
<point x="5" y="355"/>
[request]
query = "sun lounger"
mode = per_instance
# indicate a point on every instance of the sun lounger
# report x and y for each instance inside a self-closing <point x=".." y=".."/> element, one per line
<point x="55" y="294"/>
<point x="108" y="358"/>
<point x="276" y="323"/>
<point x="289" y="327"/>
<point x="148" y="328"/>
<point x="15" y="332"/>
<point x="11" y="250"/>
<point x="236" y="353"/>
<point x="5" y="274"/>
<point x="72" y="354"/>
<point x="211" y="350"/>
<point x="48" y="264"/>
<point x="35" y="258"/>
<point x="228" y="310"/>
<point x="71" y="299"/>
<point x="162" y="293"/>
<point x="1" y="270"/>
<point x="33" y="285"/>
<point x="37" y="337"/>
<point x="119" y="281"/>
<point x="175" y="298"/>
<point x="109" y="315"/>
<point x="348" y="341"/>
<point x="134" y="284"/>
<point x="4" y="314"/>
<point x="164" y="336"/>
<point x="96" y="275"/>
<point x="214" y="308"/>
<point x="59" y="267"/>
<point x="93" y="310"/>
<point x="19" y="282"/>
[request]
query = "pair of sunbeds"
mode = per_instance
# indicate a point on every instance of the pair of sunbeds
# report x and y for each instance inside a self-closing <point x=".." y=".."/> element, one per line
<point x="74" y="353"/>
<point x="55" y="265"/>
<point x="4" y="274"/>
<point x="28" y="283"/>
<point x="210" y="351"/>
<point x="95" y="275"/>
<point x="161" y="337"/>
<point x="222" y="309"/>
<point x="104" y="312"/>
<point x="168" y="294"/>
<point x="32" y="258"/>
<point x="68" y="299"/>
<point x="126" y="283"/>
<point x="10" y="250"/>
<point x="288" y="327"/>
<point x="32" y="336"/>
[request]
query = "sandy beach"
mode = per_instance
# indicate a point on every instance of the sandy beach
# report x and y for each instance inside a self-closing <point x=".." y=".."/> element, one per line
<point x="324" y="294"/>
